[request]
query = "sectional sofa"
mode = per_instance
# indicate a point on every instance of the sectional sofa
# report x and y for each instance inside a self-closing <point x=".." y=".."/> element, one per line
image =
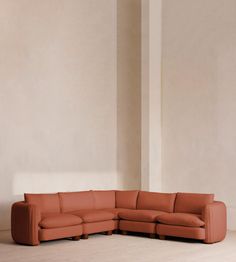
<point x="43" y="217"/>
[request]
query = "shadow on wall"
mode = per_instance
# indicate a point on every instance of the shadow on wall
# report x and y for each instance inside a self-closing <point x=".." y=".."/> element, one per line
<point x="50" y="182"/>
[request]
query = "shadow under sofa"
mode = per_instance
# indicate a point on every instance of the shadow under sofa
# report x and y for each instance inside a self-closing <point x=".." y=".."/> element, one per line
<point x="43" y="217"/>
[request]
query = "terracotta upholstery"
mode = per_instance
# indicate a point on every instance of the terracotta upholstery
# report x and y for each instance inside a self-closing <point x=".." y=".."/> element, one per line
<point x="73" y="201"/>
<point x="47" y="203"/>
<point x="115" y="211"/>
<point x="181" y="219"/>
<point x="181" y="231"/>
<point x="156" y="201"/>
<point x="126" y="199"/>
<point x="43" y="217"/>
<point x="141" y="215"/>
<point x="24" y="223"/>
<point x="62" y="232"/>
<point x="91" y="228"/>
<point x="214" y="215"/>
<point x="135" y="226"/>
<point x="192" y="203"/>
<point x="60" y="220"/>
<point x="90" y="216"/>
<point x="104" y="199"/>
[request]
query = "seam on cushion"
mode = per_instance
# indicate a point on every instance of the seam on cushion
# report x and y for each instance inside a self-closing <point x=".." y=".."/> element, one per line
<point x="210" y="225"/>
<point x="136" y="205"/>
<point x="60" y="201"/>
<point x="174" y="203"/>
<point x="138" y="196"/>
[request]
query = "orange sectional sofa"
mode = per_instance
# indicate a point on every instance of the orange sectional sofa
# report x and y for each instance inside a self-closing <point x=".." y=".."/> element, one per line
<point x="43" y="217"/>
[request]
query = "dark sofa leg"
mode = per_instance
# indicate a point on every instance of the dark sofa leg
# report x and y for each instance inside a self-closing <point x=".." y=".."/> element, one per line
<point x="116" y="231"/>
<point x="152" y="235"/>
<point x="76" y="238"/>
<point x="162" y="237"/>
<point x="109" y="233"/>
<point x="123" y="232"/>
<point x="85" y="236"/>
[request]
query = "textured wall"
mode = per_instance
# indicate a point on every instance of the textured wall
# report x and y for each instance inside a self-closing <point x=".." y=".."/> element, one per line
<point x="198" y="100"/>
<point x="58" y="114"/>
<point x="129" y="93"/>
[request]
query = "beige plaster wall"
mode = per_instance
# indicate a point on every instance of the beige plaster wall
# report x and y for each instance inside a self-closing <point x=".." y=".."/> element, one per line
<point x="58" y="109"/>
<point x="129" y="93"/>
<point x="198" y="99"/>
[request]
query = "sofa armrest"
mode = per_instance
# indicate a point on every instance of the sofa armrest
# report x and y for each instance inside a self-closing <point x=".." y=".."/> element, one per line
<point x="215" y="218"/>
<point x="24" y="223"/>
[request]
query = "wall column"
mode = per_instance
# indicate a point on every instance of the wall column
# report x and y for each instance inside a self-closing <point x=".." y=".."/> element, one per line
<point x="151" y="95"/>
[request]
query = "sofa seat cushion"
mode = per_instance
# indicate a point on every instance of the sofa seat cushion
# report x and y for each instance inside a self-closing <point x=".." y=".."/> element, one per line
<point x="60" y="220"/>
<point x="116" y="211"/>
<point x="90" y="216"/>
<point x="181" y="219"/>
<point x="141" y="215"/>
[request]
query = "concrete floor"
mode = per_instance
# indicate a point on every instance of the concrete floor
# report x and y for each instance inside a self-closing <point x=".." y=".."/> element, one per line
<point x="119" y="248"/>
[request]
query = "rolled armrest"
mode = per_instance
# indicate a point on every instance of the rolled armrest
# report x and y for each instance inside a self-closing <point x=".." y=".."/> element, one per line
<point x="215" y="218"/>
<point x="24" y="223"/>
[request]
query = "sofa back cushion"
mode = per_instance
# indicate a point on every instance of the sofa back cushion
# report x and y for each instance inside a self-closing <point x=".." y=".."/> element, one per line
<point x="156" y="201"/>
<point x="104" y="199"/>
<point x="126" y="199"/>
<point x="47" y="203"/>
<point x="192" y="203"/>
<point x="73" y="201"/>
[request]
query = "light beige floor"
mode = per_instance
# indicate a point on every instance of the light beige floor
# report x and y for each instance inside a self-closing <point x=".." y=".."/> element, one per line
<point x="119" y="248"/>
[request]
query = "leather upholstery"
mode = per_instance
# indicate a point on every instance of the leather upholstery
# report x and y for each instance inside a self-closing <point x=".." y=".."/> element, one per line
<point x="141" y="215"/>
<point x="181" y="219"/>
<point x="73" y="201"/>
<point x="104" y="199"/>
<point x="126" y="199"/>
<point x="60" y="220"/>
<point x="215" y="218"/>
<point x="192" y="203"/>
<point x="156" y="201"/>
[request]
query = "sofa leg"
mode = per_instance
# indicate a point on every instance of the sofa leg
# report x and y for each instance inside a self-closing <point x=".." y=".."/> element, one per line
<point x="109" y="233"/>
<point x="116" y="231"/>
<point x="76" y="238"/>
<point x="152" y="235"/>
<point x="123" y="232"/>
<point x="85" y="236"/>
<point x="162" y="237"/>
